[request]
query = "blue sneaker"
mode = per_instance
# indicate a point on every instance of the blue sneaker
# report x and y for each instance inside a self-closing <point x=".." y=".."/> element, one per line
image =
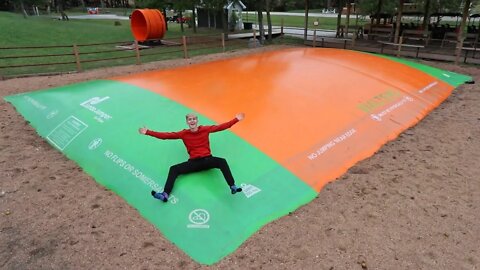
<point x="162" y="196"/>
<point x="235" y="189"/>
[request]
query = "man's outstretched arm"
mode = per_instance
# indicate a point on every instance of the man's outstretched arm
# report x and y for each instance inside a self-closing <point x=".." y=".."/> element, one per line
<point x="159" y="135"/>
<point x="238" y="117"/>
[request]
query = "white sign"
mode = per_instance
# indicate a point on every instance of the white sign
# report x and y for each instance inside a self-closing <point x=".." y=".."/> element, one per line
<point x="198" y="219"/>
<point x="63" y="134"/>
<point x="95" y="143"/>
<point x="249" y="190"/>
<point x="100" y="115"/>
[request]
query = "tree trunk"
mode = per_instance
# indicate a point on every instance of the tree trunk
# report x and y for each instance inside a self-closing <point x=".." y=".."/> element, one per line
<point x="64" y="15"/>
<point x="399" y="21"/>
<point x="61" y="5"/>
<point x="339" y="17"/>
<point x="125" y="7"/>
<point x="426" y="16"/>
<point x="305" y="32"/>
<point x="261" y="30"/>
<point x="180" y="16"/>
<point x="194" y="19"/>
<point x="379" y="10"/>
<point x="269" y="20"/>
<point x="225" y="21"/>
<point x="208" y="16"/>
<point x="22" y="6"/>
<point x="164" y="10"/>
<point x="347" y="23"/>
<point x="461" y="31"/>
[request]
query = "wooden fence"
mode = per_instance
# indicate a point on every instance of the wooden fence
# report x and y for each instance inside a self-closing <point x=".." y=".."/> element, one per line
<point x="26" y="61"/>
<point x="433" y="50"/>
<point x="58" y="59"/>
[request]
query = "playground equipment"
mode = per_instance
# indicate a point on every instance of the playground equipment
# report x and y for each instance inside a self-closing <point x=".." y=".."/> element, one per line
<point x="147" y="24"/>
<point x="330" y="108"/>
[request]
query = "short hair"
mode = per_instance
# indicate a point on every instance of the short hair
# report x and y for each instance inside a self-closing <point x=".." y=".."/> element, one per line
<point x="191" y="114"/>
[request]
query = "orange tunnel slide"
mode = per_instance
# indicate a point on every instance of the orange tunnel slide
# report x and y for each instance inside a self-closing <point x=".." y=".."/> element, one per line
<point x="147" y="24"/>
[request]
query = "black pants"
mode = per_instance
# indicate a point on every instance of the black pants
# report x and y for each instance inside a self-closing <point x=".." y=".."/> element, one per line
<point x="196" y="165"/>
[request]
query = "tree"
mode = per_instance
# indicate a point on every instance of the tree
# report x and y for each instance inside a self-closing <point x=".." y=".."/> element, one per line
<point x="259" y="7"/>
<point x="461" y="33"/>
<point x="368" y="7"/>
<point x="399" y="18"/>
<point x="340" y="4"/>
<point x="61" y="9"/>
<point x="426" y="16"/>
<point x="269" y="19"/>
<point x="20" y="5"/>
<point x="441" y="5"/>
<point x="183" y="5"/>
<point x="261" y="30"/>
<point x="218" y="6"/>
<point x="306" y="20"/>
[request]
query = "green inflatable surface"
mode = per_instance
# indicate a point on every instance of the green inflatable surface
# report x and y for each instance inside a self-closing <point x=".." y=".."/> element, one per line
<point x="96" y="124"/>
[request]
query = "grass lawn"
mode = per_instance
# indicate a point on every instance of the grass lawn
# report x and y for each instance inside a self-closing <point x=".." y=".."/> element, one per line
<point x="329" y="23"/>
<point x="44" y="31"/>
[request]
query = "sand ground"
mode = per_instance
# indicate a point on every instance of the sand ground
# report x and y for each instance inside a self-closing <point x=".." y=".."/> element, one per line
<point x="415" y="204"/>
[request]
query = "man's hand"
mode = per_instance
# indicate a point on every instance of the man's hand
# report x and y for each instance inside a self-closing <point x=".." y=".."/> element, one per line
<point x="142" y="130"/>
<point x="240" y="116"/>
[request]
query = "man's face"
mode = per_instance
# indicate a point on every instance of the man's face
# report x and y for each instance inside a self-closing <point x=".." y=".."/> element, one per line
<point x="192" y="121"/>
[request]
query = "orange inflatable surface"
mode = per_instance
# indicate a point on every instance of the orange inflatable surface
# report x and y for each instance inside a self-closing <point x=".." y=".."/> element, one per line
<point x="315" y="111"/>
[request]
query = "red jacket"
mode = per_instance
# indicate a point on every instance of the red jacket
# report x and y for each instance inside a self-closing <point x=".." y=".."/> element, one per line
<point x="197" y="143"/>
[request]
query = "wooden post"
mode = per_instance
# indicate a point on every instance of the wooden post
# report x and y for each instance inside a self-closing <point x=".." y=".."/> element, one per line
<point x="281" y="27"/>
<point x="137" y="52"/>
<point x="223" y="41"/>
<point x="254" y="39"/>
<point x="185" y="51"/>
<point x="77" y="58"/>
<point x="315" y="38"/>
